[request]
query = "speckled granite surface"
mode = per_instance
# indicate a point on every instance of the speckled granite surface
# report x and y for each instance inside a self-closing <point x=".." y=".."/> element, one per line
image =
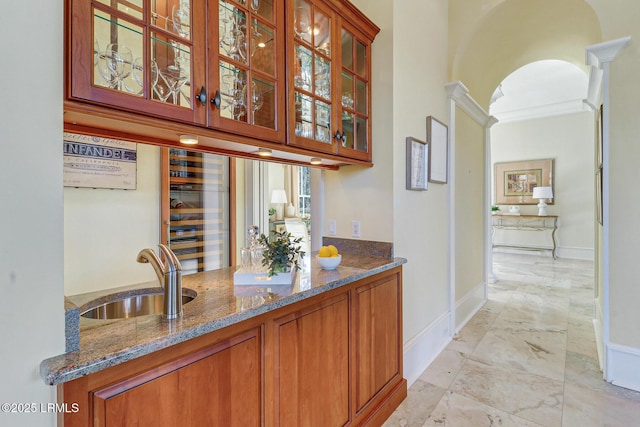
<point x="105" y="343"/>
<point x="361" y="247"/>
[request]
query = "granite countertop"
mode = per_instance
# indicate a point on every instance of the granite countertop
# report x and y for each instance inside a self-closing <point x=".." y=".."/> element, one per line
<point x="105" y="343"/>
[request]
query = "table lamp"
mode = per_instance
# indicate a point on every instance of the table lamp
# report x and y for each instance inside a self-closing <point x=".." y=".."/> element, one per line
<point x="279" y="198"/>
<point x="542" y="193"/>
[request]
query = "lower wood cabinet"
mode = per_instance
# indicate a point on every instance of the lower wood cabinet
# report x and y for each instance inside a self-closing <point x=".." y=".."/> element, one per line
<point x="334" y="359"/>
<point x="311" y="358"/>
<point x="219" y="385"/>
<point x="378" y="338"/>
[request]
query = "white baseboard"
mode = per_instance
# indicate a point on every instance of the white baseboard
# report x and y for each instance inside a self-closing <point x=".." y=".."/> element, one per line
<point x="622" y="366"/>
<point x="586" y="254"/>
<point x="422" y="349"/>
<point x="469" y="305"/>
<point x="598" y="323"/>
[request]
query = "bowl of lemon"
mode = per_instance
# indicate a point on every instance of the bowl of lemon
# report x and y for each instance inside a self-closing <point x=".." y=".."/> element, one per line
<point x="328" y="257"/>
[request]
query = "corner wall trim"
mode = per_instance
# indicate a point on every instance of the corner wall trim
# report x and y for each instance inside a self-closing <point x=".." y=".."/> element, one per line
<point x="623" y="362"/>
<point x="421" y="350"/>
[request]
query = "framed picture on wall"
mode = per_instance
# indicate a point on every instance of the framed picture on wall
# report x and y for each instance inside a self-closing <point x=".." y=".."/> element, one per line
<point x="417" y="164"/>
<point x="515" y="181"/>
<point x="438" y="140"/>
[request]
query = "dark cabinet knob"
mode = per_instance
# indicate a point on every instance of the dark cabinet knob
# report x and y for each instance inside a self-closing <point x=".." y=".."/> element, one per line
<point x="216" y="99"/>
<point x="202" y="96"/>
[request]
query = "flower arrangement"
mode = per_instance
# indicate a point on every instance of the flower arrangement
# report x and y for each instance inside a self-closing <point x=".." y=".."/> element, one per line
<point x="281" y="253"/>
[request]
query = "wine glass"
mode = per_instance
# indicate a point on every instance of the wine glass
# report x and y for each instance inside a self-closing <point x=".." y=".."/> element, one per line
<point x="119" y="59"/>
<point x="181" y="20"/>
<point x="175" y="77"/>
<point x="105" y="72"/>
<point x="302" y="21"/>
<point x="255" y="5"/>
<point x="138" y="73"/>
<point x="257" y="99"/>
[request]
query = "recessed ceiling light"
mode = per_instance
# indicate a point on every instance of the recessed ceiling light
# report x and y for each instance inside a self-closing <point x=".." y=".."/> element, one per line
<point x="189" y="139"/>
<point x="264" y="152"/>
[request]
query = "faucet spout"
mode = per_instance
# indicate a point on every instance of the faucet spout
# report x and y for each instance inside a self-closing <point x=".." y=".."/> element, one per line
<point x="170" y="275"/>
<point x="149" y="256"/>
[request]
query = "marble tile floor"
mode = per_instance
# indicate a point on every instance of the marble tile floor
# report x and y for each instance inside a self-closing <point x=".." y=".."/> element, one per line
<point x="527" y="358"/>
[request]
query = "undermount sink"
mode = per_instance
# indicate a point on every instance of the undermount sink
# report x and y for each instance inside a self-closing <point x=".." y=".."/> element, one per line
<point x="133" y="306"/>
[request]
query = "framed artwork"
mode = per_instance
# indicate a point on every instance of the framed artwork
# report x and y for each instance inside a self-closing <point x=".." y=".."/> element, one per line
<point x="93" y="162"/>
<point x="417" y="164"/>
<point x="438" y="140"/>
<point x="515" y="181"/>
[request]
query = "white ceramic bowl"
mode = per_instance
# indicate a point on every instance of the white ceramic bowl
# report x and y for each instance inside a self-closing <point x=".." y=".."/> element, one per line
<point x="329" y="263"/>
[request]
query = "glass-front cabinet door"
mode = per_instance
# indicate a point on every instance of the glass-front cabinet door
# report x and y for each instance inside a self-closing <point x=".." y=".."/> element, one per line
<point x="311" y="75"/>
<point x="355" y="103"/>
<point x="139" y="55"/>
<point x="247" y="71"/>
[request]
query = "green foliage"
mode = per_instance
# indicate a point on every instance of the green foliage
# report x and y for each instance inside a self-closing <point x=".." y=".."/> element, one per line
<point x="272" y="211"/>
<point x="282" y="252"/>
<point x="495" y="208"/>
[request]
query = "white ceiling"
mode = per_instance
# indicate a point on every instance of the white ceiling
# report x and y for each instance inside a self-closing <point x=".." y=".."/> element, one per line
<point x="540" y="89"/>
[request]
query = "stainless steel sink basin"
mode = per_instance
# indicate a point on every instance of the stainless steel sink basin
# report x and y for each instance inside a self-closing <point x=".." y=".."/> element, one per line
<point x="132" y="306"/>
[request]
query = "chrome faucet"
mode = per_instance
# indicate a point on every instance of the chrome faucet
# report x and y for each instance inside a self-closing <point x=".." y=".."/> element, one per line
<point x="170" y="276"/>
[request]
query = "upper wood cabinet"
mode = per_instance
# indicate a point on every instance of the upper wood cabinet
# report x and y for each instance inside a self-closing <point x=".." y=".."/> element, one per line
<point x="329" y="62"/>
<point x="246" y="67"/>
<point x="137" y="55"/>
<point x="271" y="70"/>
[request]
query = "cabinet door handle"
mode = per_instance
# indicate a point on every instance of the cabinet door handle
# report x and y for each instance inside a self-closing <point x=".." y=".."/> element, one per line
<point x="216" y="99"/>
<point x="338" y="135"/>
<point x="202" y="96"/>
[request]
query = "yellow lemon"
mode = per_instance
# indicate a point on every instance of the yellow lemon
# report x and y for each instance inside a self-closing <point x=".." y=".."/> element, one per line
<point x="333" y="251"/>
<point x="324" y="252"/>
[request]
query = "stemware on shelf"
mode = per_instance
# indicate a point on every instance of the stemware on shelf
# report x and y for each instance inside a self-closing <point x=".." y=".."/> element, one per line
<point x="181" y="20"/>
<point x="119" y="59"/>
<point x="257" y="99"/>
<point x="138" y="72"/>
<point x="302" y="21"/>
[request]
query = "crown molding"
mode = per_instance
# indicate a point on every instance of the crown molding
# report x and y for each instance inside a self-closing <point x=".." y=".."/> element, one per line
<point x="540" y="111"/>
<point x="459" y="93"/>
<point x="598" y="54"/>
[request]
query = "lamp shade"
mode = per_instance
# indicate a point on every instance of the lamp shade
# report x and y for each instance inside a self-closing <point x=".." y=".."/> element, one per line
<point x="542" y="193"/>
<point x="278" y="196"/>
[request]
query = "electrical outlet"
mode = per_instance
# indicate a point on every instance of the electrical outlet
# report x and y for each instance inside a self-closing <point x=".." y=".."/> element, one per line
<point x="355" y="228"/>
<point x="331" y="226"/>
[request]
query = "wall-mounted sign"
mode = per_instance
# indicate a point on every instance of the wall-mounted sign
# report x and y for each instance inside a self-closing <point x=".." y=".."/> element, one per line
<point x="95" y="162"/>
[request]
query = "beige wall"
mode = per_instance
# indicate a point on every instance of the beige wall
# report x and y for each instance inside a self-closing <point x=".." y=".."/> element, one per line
<point x="618" y="18"/>
<point x="105" y="229"/>
<point x="470" y="209"/>
<point x="568" y="139"/>
<point x="365" y="194"/>
<point x="31" y="252"/>
<point x="492" y="39"/>
<point x="413" y="45"/>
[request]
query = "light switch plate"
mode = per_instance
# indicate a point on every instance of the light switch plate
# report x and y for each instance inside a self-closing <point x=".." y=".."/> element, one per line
<point x="355" y="228"/>
<point x="331" y="227"/>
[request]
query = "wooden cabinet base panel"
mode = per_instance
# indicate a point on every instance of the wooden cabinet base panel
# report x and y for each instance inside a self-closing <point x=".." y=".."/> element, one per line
<point x="310" y="363"/>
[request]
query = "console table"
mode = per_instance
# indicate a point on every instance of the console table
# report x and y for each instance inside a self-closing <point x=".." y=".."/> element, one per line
<point x="526" y="223"/>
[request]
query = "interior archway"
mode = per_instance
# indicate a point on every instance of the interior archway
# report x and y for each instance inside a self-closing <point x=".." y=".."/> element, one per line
<point x="497" y="38"/>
